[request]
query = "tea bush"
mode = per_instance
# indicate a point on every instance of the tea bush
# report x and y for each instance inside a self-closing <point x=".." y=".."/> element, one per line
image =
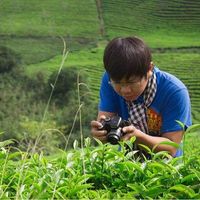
<point x="101" y="172"/>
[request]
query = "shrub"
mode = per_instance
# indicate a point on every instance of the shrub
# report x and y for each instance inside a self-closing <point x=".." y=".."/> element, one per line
<point x="8" y="59"/>
<point x="66" y="82"/>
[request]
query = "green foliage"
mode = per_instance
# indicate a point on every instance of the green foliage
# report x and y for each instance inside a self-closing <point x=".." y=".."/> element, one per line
<point x="96" y="173"/>
<point x="24" y="101"/>
<point x="18" y="98"/>
<point x="65" y="84"/>
<point x="37" y="136"/>
<point x="8" y="59"/>
<point x="71" y="98"/>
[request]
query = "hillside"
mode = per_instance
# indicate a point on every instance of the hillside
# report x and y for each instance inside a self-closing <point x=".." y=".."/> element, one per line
<point x="171" y="28"/>
<point x="161" y="23"/>
<point x="49" y="155"/>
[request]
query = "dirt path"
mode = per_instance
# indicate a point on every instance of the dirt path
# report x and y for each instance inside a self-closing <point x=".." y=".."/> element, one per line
<point x="100" y="16"/>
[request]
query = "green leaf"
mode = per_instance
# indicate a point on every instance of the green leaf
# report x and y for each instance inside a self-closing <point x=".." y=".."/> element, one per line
<point x="193" y="128"/>
<point x="156" y="165"/>
<point x="154" y="192"/>
<point x="98" y="141"/>
<point x="14" y="155"/>
<point x="137" y="187"/>
<point x="75" y="144"/>
<point x="130" y="166"/>
<point x="58" y="174"/>
<point x="170" y="143"/>
<point x="183" y="189"/>
<point x="160" y="155"/>
<point x="132" y="140"/>
<point x="87" y="142"/>
<point x="5" y="143"/>
<point x="138" y="168"/>
<point x="146" y="148"/>
<point x="197" y="173"/>
<point x="181" y="124"/>
<point x="189" y="178"/>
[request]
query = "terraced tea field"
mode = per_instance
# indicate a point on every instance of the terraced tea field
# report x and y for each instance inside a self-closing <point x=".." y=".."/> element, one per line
<point x="183" y="64"/>
<point x="186" y="67"/>
<point x="72" y="18"/>
<point x="161" y="23"/>
<point x="171" y="28"/>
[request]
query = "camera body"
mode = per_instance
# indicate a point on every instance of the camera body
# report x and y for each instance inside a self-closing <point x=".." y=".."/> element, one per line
<point x="114" y="126"/>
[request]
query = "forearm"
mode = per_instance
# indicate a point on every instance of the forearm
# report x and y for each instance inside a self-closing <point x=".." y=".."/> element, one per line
<point x="154" y="142"/>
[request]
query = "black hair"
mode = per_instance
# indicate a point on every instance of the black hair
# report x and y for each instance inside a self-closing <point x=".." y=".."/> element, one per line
<point x="127" y="57"/>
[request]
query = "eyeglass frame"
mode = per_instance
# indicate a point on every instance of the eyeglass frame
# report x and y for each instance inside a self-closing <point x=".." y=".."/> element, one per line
<point x="127" y="84"/>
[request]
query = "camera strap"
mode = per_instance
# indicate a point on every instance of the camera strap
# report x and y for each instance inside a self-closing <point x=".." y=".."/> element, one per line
<point x="137" y="111"/>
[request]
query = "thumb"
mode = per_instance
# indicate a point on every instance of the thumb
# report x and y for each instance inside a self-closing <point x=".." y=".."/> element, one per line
<point x="126" y="137"/>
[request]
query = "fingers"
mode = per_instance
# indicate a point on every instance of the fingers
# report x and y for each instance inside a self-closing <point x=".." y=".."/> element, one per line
<point x="129" y="132"/>
<point x="129" y="129"/>
<point x="96" y="133"/>
<point x="101" y="118"/>
<point x="96" y="124"/>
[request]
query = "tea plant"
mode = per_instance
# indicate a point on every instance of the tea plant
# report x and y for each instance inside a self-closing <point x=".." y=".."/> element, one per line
<point x="103" y="171"/>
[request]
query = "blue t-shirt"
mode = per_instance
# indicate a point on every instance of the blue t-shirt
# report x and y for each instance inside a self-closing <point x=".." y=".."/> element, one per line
<point x="171" y="103"/>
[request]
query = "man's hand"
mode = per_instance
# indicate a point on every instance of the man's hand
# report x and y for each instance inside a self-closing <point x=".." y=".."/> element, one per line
<point x="96" y="125"/>
<point x="130" y="131"/>
<point x="96" y="132"/>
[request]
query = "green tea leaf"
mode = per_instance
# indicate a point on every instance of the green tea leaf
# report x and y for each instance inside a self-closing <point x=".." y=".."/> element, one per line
<point x="183" y="189"/>
<point x="161" y="155"/>
<point x="181" y="124"/>
<point x="146" y="148"/>
<point x="197" y="173"/>
<point x="15" y="155"/>
<point x="87" y="142"/>
<point x="193" y="128"/>
<point x="189" y="178"/>
<point x="98" y="141"/>
<point x="154" y="192"/>
<point x="156" y="165"/>
<point x="139" y="188"/>
<point x="170" y="143"/>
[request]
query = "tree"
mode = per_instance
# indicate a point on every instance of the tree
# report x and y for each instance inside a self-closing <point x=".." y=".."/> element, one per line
<point x="71" y="95"/>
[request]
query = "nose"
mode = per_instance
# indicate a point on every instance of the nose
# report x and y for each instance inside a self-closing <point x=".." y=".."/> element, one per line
<point x="125" y="89"/>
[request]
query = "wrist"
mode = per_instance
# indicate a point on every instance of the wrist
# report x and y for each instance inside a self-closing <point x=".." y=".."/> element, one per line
<point x="139" y="134"/>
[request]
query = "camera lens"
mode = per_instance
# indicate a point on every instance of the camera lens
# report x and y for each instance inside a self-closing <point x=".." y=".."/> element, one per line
<point x="114" y="136"/>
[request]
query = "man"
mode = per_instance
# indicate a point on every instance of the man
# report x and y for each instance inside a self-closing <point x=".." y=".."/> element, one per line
<point x="153" y="100"/>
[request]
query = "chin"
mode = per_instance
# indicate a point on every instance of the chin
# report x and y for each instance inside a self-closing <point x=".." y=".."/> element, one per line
<point x="130" y="98"/>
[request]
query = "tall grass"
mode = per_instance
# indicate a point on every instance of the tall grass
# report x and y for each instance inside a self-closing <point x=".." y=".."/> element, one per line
<point x="40" y="130"/>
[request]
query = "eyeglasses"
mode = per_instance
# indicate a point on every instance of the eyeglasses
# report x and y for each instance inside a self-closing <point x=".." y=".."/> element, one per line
<point x="131" y="84"/>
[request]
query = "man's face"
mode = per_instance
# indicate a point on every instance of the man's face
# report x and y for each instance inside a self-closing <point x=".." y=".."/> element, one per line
<point x="132" y="88"/>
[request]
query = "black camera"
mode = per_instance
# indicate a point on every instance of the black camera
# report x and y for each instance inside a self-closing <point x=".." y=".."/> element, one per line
<point x="114" y="126"/>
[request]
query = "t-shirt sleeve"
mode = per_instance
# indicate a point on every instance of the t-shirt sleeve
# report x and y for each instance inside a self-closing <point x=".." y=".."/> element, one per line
<point x="176" y="107"/>
<point x="107" y="96"/>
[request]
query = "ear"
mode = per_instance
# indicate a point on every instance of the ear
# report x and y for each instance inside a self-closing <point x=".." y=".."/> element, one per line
<point x="149" y="73"/>
<point x="151" y="66"/>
